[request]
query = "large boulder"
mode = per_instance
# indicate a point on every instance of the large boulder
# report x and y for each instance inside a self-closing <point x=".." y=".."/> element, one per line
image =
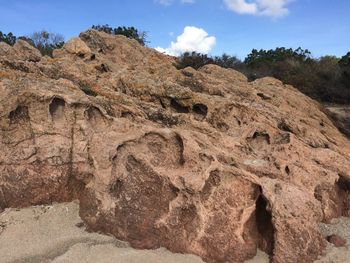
<point x="201" y="162"/>
<point x="74" y="46"/>
<point x="26" y="51"/>
<point x="6" y="50"/>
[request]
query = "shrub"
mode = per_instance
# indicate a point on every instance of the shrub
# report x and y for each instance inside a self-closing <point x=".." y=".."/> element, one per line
<point x="344" y="64"/>
<point x="130" y="32"/>
<point x="227" y="61"/>
<point x="45" y="41"/>
<point x="8" y="38"/>
<point x="194" y="60"/>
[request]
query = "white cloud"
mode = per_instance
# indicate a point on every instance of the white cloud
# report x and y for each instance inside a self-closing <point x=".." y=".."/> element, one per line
<point x="192" y="39"/>
<point x="241" y="6"/>
<point x="272" y="8"/>
<point x="188" y="1"/>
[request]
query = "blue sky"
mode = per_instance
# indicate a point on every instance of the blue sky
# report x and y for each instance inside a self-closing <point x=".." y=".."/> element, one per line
<point x="214" y="26"/>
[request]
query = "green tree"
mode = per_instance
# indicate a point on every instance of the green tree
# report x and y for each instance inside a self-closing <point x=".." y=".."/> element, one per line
<point x="194" y="60"/>
<point x="317" y="78"/>
<point x="344" y="64"/>
<point x="129" y="32"/>
<point x="227" y="61"/>
<point x="45" y="41"/>
<point x="8" y="38"/>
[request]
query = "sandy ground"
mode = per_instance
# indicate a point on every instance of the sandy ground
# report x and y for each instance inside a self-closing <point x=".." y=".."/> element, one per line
<point x="57" y="234"/>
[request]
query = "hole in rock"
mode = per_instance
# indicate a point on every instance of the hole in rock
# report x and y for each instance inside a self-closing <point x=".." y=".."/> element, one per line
<point x="287" y="170"/>
<point x="180" y="143"/>
<point x="222" y="126"/>
<point x="103" y="68"/>
<point x="284" y="127"/>
<point x="178" y="107"/>
<point x="80" y="55"/>
<point x="88" y="91"/>
<point x="56" y="108"/>
<point x="343" y="189"/>
<point x="262" y="136"/>
<point x="260" y="140"/>
<point x="116" y="188"/>
<point x="200" y="109"/>
<point x="264" y="226"/>
<point x="263" y="96"/>
<point x="19" y="114"/>
<point x="93" y="57"/>
<point x="95" y="116"/>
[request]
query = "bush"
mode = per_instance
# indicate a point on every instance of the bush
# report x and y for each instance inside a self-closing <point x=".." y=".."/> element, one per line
<point x="344" y="64"/>
<point x="320" y="78"/>
<point x="8" y="38"/>
<point x="45" y="41"/>
<point x="130" y="32"/>
<point x="194" y="60"/>
<point x="227" y="61"/>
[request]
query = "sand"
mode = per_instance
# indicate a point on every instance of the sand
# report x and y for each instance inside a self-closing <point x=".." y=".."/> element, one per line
<point x="57" y="234"/>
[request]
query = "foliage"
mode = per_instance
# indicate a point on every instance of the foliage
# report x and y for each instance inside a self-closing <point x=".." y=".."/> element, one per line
<point x="45" y="41"/>
<point x="194" y="60"/>
<point x="227" y="61"/>
<point x="130" y="32"/>
<point x="317" y="78"/>
<point x="279" y="54"/>
<point x="8" y="38"/>
<point x="344" y="64"/>
<point x="326" y="79"/>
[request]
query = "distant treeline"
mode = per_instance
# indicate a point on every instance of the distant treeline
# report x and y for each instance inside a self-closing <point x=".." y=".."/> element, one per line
<point x="326" y="79"/>
<point x="43" y="40"/>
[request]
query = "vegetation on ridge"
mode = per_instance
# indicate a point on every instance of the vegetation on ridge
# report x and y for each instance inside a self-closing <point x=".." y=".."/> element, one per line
<point x="326" y="79"/>
<point x="43" y="40"/>
<point x="130" y="32"/>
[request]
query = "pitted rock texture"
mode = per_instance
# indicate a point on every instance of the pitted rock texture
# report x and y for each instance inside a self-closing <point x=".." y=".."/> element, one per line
<point x="200" y="162"/>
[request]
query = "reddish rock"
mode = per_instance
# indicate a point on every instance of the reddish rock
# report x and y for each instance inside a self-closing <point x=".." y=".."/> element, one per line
<point x="336" y="240"/>
<point x="201" y="162"/>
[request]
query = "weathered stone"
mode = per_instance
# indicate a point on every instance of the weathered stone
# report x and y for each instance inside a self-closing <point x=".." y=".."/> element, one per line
<point x="26" y="51"/>
<point x="74" y="46"/>
<point x="195" y="161"/>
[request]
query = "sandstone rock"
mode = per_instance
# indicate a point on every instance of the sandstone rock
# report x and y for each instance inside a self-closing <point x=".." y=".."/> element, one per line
<point x="26" y="51"/>
<point x="6" y="50"/>
<point x="195" y="161"/>
<point x="336" y="240"/>
<point x="74" y="46"/>
<point x="341" y="116"/>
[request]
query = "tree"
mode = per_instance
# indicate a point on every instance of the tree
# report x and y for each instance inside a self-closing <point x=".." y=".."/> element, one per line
<point x="344" y="64"/>
<point x="129" y="32"/>
<point x="255" y="58"/>
<point x="317" y="78"/>
<point x="8" y="38"/>
<point x="194" y="60"/>
<point x="227" y="61"/>
<point x="45" y="41"/>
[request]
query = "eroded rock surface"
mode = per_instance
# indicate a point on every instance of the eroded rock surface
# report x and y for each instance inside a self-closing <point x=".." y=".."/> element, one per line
<point x="199" y="162"/>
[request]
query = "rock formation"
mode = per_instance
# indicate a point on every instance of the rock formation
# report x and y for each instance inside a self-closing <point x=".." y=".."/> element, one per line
<point x="201" y="162"/>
